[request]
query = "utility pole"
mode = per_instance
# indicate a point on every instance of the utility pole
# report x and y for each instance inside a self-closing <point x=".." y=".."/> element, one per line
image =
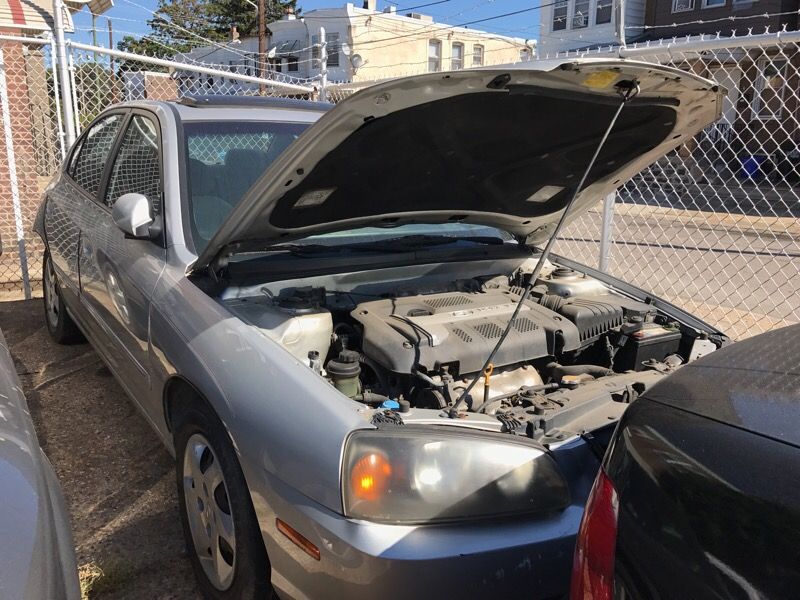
<point x="94" y="35"/>
<point x="63" y="72"/>
<point x="262" y="43"/>
<point x="110" y="47"/>
<point x="621" y="21"/>
<point x="323" y="66"/>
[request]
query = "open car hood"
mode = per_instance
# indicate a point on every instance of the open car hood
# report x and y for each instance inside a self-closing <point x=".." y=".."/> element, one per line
<point x="500" y="146"/>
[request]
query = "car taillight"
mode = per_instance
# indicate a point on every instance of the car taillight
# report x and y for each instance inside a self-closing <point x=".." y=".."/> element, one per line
<point x="593" y="566"/>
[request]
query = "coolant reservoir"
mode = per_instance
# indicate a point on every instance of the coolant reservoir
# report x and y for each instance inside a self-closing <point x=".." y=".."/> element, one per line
<point x="300" y="329"/>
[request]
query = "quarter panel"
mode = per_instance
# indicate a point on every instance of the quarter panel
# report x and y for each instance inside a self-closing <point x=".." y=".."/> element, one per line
<point x="705" y="510"/>
<point x="62" y="232"/>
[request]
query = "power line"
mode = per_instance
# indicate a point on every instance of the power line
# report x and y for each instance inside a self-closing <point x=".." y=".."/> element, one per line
<point x="396" y="11"/>
<point x="718" y="20"/>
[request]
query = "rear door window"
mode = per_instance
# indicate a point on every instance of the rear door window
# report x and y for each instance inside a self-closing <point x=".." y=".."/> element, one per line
<point x="87" y="167"/>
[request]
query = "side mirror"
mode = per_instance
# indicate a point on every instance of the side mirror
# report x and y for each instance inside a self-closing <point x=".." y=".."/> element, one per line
<point x="131" y="213"/>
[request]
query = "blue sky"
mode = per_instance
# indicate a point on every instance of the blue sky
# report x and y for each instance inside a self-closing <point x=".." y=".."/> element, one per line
<point x="130" y="16"/>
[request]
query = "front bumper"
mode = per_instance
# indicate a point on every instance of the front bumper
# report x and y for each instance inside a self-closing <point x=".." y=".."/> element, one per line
<point x="526" y="557"/>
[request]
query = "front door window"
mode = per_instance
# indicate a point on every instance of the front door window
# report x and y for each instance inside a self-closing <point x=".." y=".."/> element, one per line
<point x="137" y="167"/>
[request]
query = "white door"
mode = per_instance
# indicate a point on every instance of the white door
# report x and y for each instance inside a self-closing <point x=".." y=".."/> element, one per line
<point x="728" y="77"/>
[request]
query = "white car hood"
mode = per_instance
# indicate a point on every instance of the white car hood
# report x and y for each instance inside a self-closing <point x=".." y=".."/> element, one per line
<point x="501" y="146"/>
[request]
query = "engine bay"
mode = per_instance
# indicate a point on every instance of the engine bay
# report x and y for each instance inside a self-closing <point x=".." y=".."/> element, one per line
<point x="407" y="348"/>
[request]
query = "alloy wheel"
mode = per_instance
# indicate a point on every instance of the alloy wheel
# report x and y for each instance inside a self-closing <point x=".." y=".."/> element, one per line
<point x="208" y="510"/>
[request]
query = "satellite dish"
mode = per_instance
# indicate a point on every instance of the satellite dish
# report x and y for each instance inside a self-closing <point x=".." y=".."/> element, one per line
<point x="272" y="52"/>
<point x="346" y="49"/>
<point x="357" y="61"/>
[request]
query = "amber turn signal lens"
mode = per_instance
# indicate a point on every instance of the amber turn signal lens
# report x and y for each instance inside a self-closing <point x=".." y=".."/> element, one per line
<point x="298" y="539"/>
<point x="370" y="476"/>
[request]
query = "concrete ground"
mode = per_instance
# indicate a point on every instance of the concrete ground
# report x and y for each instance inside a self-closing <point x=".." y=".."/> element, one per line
<point x="118" y="479"/>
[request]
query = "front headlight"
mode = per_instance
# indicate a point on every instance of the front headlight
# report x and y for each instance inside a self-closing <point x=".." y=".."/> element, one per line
<point x="418" y="475"/>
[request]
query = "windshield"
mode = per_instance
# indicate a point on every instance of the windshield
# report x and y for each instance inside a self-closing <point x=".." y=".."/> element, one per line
<point x="224" y="159"/>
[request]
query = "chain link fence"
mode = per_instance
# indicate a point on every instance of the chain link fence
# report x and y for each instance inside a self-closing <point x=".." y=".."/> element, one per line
<point x="30" y="152"/>
<point x="713" y="227"/>
<point x="101" y="78"/>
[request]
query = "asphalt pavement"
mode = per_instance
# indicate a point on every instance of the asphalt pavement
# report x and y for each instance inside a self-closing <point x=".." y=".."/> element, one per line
<point x="735" y="197"/>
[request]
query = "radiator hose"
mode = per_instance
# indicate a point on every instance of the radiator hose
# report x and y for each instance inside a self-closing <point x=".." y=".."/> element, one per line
<point x="557" y="371"/>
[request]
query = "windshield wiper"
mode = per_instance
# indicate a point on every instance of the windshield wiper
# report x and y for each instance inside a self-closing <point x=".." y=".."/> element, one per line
<point x="441" y="240"/>
<point x="316" y="249"/>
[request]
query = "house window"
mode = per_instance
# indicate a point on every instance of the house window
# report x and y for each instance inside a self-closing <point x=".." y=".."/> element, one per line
<point x="713" y="3"/>
<point x="580" y="18"/>
<point x="331" y="44"/>
<point x="603" y="12"/>
<point x="457" y="58"/>
<point x="434" y="56"/>
<point x="682" y="5"/>
<point x="292" y="64"/>
<point x="477" y="55"/>
<point x="315" y="63"/>
<point x="560" y="15"/>
<point x="768" y="97"/>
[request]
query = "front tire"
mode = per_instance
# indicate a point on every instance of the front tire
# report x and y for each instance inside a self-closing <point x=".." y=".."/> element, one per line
<point x="222" y="534"/>
<point x="60" y="325"/>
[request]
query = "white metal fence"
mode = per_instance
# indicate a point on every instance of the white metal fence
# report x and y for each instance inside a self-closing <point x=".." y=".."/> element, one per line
<point x="713" y="227"/>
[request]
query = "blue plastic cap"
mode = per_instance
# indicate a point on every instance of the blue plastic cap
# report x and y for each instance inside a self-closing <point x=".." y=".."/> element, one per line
<point x="393" y="404"/>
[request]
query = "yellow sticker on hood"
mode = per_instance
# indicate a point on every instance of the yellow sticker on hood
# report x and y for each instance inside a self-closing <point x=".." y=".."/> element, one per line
<point x="600" y="79"/>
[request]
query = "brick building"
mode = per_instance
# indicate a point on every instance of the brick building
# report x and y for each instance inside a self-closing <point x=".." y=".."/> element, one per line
<point x="762" y="83"/>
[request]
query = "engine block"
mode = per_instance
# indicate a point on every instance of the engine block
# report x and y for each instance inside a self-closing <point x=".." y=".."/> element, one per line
<point x="459" y="329"/>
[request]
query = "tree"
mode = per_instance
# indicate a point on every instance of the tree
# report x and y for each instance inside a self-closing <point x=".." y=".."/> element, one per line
<point x="180" y="25"/>
<point x="226" y="13"/>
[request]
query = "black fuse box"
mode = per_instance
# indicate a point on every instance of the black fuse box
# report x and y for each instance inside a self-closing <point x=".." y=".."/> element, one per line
<point x="642" y="342"/>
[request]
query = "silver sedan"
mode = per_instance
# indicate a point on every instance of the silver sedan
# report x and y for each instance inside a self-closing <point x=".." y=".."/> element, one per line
<point x="37" y="560"/>
<point x="335" y="319"/>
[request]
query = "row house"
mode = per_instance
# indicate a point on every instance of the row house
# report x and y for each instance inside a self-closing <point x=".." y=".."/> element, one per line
<point x="365" y="44"/>
<point x="759" y="116"/>
<point x="759" y="113"/>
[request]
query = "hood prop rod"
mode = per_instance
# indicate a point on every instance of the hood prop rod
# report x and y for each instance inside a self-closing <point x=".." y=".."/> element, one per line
<point x="627" y="90"/>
